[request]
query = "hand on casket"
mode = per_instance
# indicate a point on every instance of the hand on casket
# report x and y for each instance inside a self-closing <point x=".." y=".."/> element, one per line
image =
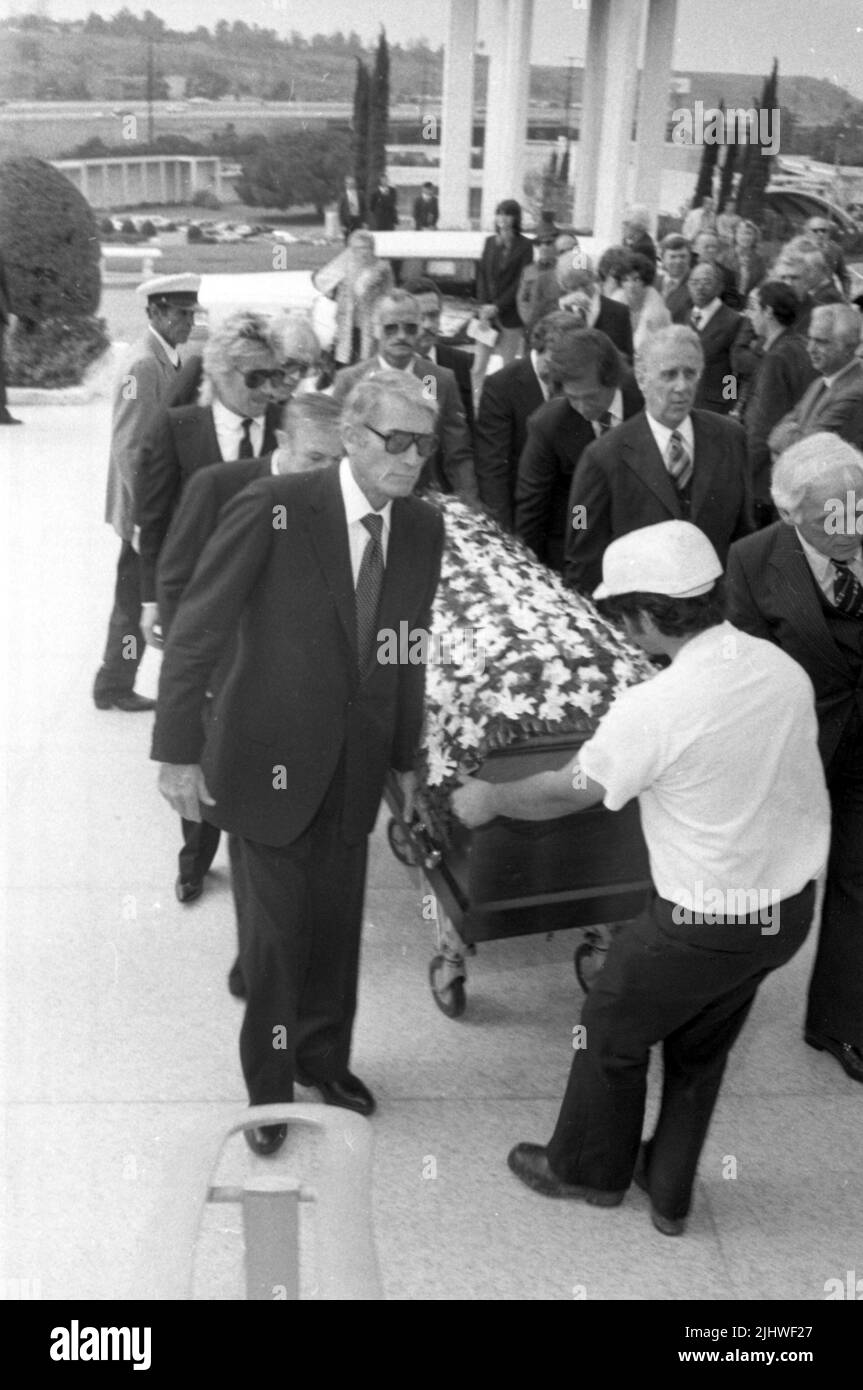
<point x="472" y="802"/>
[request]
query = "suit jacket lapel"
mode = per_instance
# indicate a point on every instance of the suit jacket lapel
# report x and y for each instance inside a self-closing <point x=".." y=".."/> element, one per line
<point x="643" y="457"/>
<point x="398" y="575"/>
<point x="796" y="589"/>
<point x="329" y="531"/>
<point x="703" y="466"/>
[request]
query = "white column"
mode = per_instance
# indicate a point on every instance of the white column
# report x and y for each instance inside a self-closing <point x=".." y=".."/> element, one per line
<point x="506" y="105"/>
<point x="624" y="31"/>
<point x="124" y="174"/>
<point x="590" y="127"/>
<point x="457" y="113"/>
<point x="163" y="182"/>
<point x="653" y="103"/>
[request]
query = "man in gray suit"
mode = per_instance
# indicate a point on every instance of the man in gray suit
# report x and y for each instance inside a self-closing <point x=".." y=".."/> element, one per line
<point x="398" y="324"/>
<point x="834" y="401"/>
<point x="147" y="380"/>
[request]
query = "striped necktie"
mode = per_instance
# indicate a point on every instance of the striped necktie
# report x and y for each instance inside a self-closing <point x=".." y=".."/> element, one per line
<point x="847" y="590"/>
<point x="368" y="592"/>
<point x="678" y="462"/>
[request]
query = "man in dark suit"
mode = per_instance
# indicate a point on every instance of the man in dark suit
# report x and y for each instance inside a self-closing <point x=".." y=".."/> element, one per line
<point x="352" y="207"/>
<point x="669" y="462"/>
<point x="437" y="350"/>
<point x="597" y="394"/>
<point x="508" y="398"/>
<point x="834" y="400"/>
<point x="451" y="466"/>
<point x="245" y="378"/>
<point x="717" y="327"/>
<point x="580" y="296"/>
<point x="676" y="257"/>
<point x="426" y="211"/>
<point x="706" y="248"/>
<point x="7" y="320"/>
<point x="148" y="379"/>
<point x="309" y="439"/>
<point x="313" y="569"/>
<point x="821" y="230"/>
<point x="799" y="583"/>
<point x="783" y="372"/>
<point x="383" y="207"/>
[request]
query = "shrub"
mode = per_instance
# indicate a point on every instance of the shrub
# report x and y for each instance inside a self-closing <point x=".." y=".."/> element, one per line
<point x="128" y="228"/>
<point x="57" y="352"/>
<point x="205" y="198"/>
<point x="146" y="228"/>
<point x="194" y="233"/>
<point x="49" y="241"/>
<point x="106" y="227"/>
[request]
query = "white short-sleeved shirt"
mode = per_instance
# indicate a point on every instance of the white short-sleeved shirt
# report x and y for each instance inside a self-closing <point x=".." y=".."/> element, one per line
<point x="721" y="750"/>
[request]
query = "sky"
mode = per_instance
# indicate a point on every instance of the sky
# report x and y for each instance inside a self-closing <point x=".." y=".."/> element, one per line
<point x="815" y="40"/>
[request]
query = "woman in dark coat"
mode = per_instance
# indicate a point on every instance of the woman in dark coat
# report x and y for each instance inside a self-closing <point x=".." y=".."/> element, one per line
<point x="504" y="257"/>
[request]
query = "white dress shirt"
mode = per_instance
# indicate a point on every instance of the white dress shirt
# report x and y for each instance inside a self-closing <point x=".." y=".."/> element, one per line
<point x="720" y="748"/>
<point x="703" y="316"/>
<point x="543" y="385"/>
<point x="357" y="505"/>
<point x="229" y="431"/>
<point x="615" y="410"/>
<point x="662" y="434"/>
<point x="171" y="353"/>
<point x="822" y="568"/>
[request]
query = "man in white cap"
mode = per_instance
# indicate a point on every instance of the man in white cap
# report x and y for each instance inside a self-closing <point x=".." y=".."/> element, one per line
<point x="148" y="377"/>
<point x="721" y="750"/>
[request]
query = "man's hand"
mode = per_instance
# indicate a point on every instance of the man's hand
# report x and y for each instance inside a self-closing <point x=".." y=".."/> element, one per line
<point x="149" y="624"/>
<point x="408" y="787"/>
<point x="183" y="785"/>
<point x="473" y="802"/>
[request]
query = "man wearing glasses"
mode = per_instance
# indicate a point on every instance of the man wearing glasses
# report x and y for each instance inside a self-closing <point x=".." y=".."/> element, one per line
<point x="311" y="568"/>
<point x="834" y="400"/>
<point x="450" y="467"/>
<point x="822" y="232"/>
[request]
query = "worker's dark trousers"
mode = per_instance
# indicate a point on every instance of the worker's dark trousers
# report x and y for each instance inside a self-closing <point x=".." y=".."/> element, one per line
<point x="689" y="986"/>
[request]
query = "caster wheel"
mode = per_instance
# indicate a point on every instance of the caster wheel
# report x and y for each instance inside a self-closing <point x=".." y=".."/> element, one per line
<point x="450" y="998"/>
<point x="401" y="845"/>
<point x="588" y="961"/>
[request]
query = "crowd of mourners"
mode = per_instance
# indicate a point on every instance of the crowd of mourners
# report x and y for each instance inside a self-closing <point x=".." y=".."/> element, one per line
<point x="268" y="495"/>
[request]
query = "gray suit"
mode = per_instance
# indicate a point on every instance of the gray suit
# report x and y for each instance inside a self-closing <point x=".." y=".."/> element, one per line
<point x="838" y="409"/>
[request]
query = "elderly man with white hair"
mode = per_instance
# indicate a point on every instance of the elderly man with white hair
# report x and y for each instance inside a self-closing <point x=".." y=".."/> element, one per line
<point x="834" y="400"/>
<point x="580" y="295"/>
<point x="799" y="583"/>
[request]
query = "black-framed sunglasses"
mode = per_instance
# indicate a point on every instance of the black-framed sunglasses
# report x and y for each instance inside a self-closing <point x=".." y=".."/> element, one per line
<point x="294" y="370"/>
<point x="390" y="330"/>
<point x="399" y="441"/>
<point x="259" y="375"/>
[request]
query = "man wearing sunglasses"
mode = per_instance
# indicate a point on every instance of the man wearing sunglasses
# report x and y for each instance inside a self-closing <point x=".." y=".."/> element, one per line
<point x="450" y="468"/>
<point x="310" y="568"/>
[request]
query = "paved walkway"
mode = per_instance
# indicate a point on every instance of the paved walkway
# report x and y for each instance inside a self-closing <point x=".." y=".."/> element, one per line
<point x="120" y="1035"/>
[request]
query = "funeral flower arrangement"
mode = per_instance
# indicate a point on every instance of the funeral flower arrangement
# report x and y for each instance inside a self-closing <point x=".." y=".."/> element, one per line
<point x="512" y="653"/>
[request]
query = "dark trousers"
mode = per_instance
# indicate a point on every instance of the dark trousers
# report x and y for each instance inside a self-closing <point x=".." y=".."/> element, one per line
<point x="200" y="842"/>
<point x="689" y="987"/>
<point x="299" y="912"/>
<point x="124" y="647"/>
<point x="835" y="1004"/>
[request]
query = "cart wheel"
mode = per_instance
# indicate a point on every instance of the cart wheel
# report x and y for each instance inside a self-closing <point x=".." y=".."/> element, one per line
<point x="401" y="845"/>
<point x="588" y="961"/>
<point x="450" y="999"/>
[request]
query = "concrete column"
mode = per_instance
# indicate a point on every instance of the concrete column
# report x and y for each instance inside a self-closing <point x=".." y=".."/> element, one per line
<point x="624" y="31"/>
<point x="124" y="175"/>
<point x="217" y="177"/>
<point x="83" y="185"/>
<point x="163" y="182"/>
<point x="590" y="128"/>
<point x="457" y="113"/>
<point x="506" y="105"/>
<point x="653" y="103"/>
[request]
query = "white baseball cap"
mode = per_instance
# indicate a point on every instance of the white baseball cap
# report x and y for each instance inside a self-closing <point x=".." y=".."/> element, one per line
<point x="673" y="558"/>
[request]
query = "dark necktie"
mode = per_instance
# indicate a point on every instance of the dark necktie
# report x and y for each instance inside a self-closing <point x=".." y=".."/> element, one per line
<point x="605" y="423"/>
<point x="246" y="449"/>
<point x="368" y="593"/>
<point x="678" y="461"/>
<point x="847" y="590"/>
<point x="696" y="319"/>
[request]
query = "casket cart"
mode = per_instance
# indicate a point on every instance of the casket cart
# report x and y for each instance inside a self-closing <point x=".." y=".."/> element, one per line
<point x="517" y="878"/>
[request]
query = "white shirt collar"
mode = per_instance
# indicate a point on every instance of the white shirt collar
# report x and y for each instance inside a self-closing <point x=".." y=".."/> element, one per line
<point x="357" y="505"/>
<point x="662" y="434"/>
<point x="171" y="353"/>
<point x="615" y="410"/>
<point x="385" y="366"/>
<point x="829" y="380"/>
<point x="706" y="314"/>
<point x="822" y="568"/>
<point x="229" y="426"/>
<point x="543" y="385"/>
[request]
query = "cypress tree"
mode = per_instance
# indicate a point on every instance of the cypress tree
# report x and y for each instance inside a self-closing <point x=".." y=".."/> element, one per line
<point x="379" y="116"/>
<point x="757" y="166"/>
<point x="360" y="126"/>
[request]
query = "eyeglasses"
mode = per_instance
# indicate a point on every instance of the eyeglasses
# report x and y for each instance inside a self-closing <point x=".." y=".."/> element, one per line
<point x="399" y="441"/>
<point x="390" y="330"/>
<point x="819" y="229"/>
<point x="256" y="378"/>
<point x="294" y="370"/>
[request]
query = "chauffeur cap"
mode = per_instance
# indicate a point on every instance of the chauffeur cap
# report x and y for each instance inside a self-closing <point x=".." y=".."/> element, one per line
<point x="171" y="289"/>
<point x="673" y="558"/>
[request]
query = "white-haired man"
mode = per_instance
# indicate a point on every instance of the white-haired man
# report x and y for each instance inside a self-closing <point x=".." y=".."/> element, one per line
<point x="735" y="841"/>
<point x="834" y="400"/>
<point x="668" y="461"/>
<point x="799" y="583"/>
<point x="311" y="567"/>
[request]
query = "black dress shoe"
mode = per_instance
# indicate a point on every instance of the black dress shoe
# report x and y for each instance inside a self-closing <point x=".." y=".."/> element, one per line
<point x="188" y="889"/>
<point x="131" y="702"/>
<point x="849" y="1057"/>
<point x="530" y="1163"/>
<point x="236" y="983"/>
<point x="348" y="1092"/>
<point x="668" y="1225"/>
<point x="266" y="1139"/>
<point x="7" y="419"/>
